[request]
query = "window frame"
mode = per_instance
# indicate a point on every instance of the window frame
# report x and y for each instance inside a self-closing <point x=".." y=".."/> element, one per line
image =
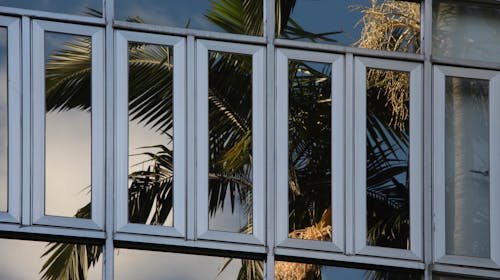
<point x="13" y="213"/>
<point x="258" y="142"/>
<point x="337" y="152"/>
<point x="439" y="75"/>
<point x="415" y="158"/>
<point x="122" y="38"/>
<point x="39" y="27"/>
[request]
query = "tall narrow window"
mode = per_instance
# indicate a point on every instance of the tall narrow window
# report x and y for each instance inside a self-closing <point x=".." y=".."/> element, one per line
<point x="388" y="147"/>
<point x="465" y="139"/>
<point x="68" y="123"/>
<point x="230" y="147"/>
<point x="310" y="133"/>
<point x="150" y="114"/>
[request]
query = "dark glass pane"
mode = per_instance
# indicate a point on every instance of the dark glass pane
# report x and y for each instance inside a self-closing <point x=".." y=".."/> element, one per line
<point x="466" y="29"/>
<point x="76" y="7"/>
<point x="150" y="134"/>
<point x="387" y="158"/>
<point x="305" y="271"/>
<point x="235" y="16"/>
<point x="385" y="25"/>
<point x="4" y="116"/>
<point x="467" y="164"/>
<point x="25" y="260"/>
<point x="67" y="125"/>
<point x="136" y="264"/>
<point x="309" y="150"/>
<point x="230" y="142"/>
<point x="443" y="277"/>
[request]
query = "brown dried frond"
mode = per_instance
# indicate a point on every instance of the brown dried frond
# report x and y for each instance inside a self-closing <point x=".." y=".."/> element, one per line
<point x="391" y="26"/>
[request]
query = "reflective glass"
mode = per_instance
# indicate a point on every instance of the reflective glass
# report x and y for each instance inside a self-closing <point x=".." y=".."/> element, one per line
<point x="3" y="121"/>
<point x="150" y="134"/>
<point x="387" y="158"/>
<point x="27" y="260"/>
<point x="467" y="164"/>
<point x="240" y="16"/>
<point x="309" y="150"/>
<point x="442" y="277"/>
<point x="67" y="125"/>
<point x="230" y="142"/>
<point x="381" y="25"/>
<point x="137" y="264"/>
<point x="77" y="7"/>
<point x="466" y="29"/>
<point x="305" y="271"/>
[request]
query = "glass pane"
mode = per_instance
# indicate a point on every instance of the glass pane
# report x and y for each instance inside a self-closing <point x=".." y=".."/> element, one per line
<point x="467" y="164"/>
<point x="309" y="150"/>
<point x="387" y="158"/>
<point x="3" y="121"/>
<point x="465" y="29"/>
<point x="67" y="125"/>
<point x="306" y="271"/>
<point x="150" y="134"/>
<point x="382" y="25"/>
<point x="77" y="7"/>
<point x="25" y="260"/>
<point x="240" y="17"/>
<point x="136" y="264"/>
<point x="230" y="142"/>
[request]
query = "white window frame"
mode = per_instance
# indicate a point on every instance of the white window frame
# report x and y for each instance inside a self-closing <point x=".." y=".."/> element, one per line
<point x="415" y="158"/>
<point x="337" y="152"/>
<point x="122" y="38"/>
<point x="440" y="73"/>
<point x="14" y="120"/>
<point x="38" y="124"/>
<point x="258" y="141"/>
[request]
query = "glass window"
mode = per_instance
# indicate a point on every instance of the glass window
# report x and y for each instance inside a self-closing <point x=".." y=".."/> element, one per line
<point x="150" y="129"/>
<point x="136" y="264"/>
<point x="3" y="121"/>
<point x="67" y="126"/>
<point x="387" y="158"/>
<point x="381" y="25"/>
<point x="309" y="150"/>
<point x="235" y="16"/>
<point x="467" y="167"/>
<point x="303" y="271"/>
<point x="43" y="260"/>
<point x="79" y="7"/>
<point x="230" y="141"/>
<point x="150" y="115"/>
<point x="443" y="277"/>
<point x="466" y="29"/>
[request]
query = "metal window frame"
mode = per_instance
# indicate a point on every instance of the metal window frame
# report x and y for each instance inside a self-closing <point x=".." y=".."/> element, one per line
<point x="258" y="141"/>
<point x="440" y="73"/>
<point x="13" y="213"/>
<point x="122" y="38"/>
<point x="415" y="154"/>
<point x="39" y="28"/>
<point x="338" y="137"/>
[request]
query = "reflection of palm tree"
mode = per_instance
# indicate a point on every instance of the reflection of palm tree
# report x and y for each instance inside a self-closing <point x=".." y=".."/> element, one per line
<point x="229" y="137"/>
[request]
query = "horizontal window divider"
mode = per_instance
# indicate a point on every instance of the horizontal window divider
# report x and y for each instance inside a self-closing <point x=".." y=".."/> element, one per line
<point x="155" y="242"/>
<point x="467" y="261"/>
<point x="199" y="34"/>
<point x="305" y="244"/>
<point x="465" y="271"/>
<point x="326" y="256"/>
<point x="59" y="233"/>
<point x="344" y="50"/>
<point x="37" y="14"/>
<point x="466" y="63"/>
